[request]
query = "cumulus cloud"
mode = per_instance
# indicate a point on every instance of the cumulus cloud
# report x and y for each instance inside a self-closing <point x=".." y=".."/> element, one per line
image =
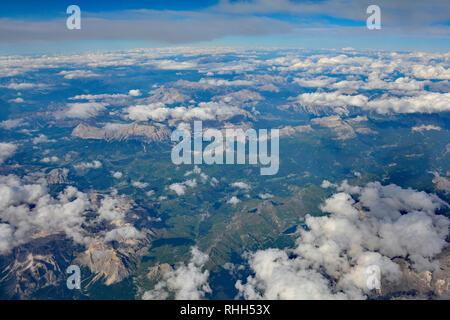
<point x="110" y="98"/>
<point x="198" y="171"/>
<point x="12" y="124"/>
<point x="402" y="84"/>
<point x="17" y="100"/>
<point x="82" y="110"/>
<point x="327" y="184"/>
<point x="366" y="226"/>
<point x="204" y="111"/>
<point x="117" y="174"/>
<point x="27" y="209"/>
<point x="42" y="138"/>
<point x="425" y="103"/>
<point x="134" y="93"/>
<point x="191" y="183"/>
<point x="140" y="185"/>
<point x="113" y="208"/>
<point x="424" y="127"/>
<point x="78" y="74"/>
<point x="103" y="96"/>
<point x="234" y="200"/>
<point x="24" y="86"/>
<point x="154" y="111"/>
<point x="50" y="159"/>
<point x="431" y="72"/>
<point x="88" y="165"/>
<point x="180" y="188"/>
<point x="20" y="86"/>
<point x="123" y="233"/>
<point x="332" y="99"/>
<point x="184" y="282"/>
<point x="6" y="151"/>
<point x="265" y="196"/>
<point x="241" y="185"/>
<point x="49" y="214"/>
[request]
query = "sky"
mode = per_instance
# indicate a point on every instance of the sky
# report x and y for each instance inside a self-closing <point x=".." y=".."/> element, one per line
<point x="40" y="26"/>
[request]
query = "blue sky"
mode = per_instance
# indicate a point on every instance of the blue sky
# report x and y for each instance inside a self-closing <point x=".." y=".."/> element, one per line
<point x="29" y="26"/>
<point x="53" y="8"/>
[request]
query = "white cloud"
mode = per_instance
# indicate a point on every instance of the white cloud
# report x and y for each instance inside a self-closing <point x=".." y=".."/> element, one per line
<point x="140" y="185"/>
<point x="327" y="184"/>
<point x="204" y="111"/>
<point x="24" y="86"/>
<point x="88" y="165"/>
<point x="233" y="200"/>
<point x="28" y="210"/>
<point x="123" y="233"/>
<point x="42" y="138"/>
<point x="117" y="174"/>
<point x="277" y="277"/>
<point x="134" y="93"/>
<point x="110" y="98"/>
<point x="431" y="72"/>
<point x="51" y="215"/>
<point x="50" y="159"/>
<point x="6" y="151"/>
<point x="78" y="74"/>
<point x="241" y="185"/>
<point x="332" y="99"/>
<point x="424" y="103"/>
<point x="12" y="124"/>
<point x="334" y="251"/>
<point x="82" y="110"/>
<point x="402" y="84"/>
<point x="196" y="170"/>
<point x="178" y="188"/>
<point x="185" y="282"/>
<point x="103" y="96"/>
<point x="17" y="100"/>
<point x="191" y="183"/>
<point x="154" y="111"/>
<point x="110" y="208"/>
<point x="424" y="127"/>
